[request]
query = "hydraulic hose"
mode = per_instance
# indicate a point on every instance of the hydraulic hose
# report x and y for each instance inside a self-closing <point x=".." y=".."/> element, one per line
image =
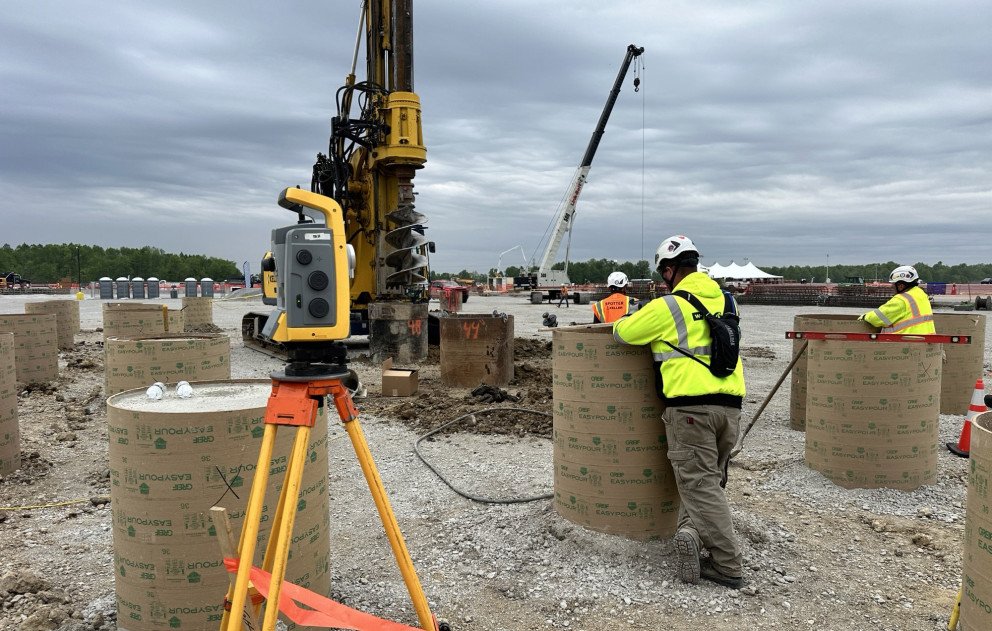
<point x="476" y="498"/>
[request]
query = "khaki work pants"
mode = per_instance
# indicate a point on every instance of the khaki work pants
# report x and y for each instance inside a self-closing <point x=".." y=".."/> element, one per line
<point x="700" y="439"/>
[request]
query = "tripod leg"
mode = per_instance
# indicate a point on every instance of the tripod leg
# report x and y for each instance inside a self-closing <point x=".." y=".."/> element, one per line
<point x="282" y="528"/>
<point x="393" y="533"/>
<point x="238" y="592"/>
<point x="225" y="538"/>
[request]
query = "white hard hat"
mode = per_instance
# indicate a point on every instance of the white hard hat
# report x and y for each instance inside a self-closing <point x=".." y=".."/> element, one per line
<point x="904" y="274"/>
<point x="617" y="279"/>
<point x="672" y="248"/>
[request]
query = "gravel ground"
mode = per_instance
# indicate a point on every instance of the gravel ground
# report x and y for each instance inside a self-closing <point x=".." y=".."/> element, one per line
<point x="817" y="556"/>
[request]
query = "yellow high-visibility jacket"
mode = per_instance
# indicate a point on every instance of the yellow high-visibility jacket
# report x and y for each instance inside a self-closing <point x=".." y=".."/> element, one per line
<point x="906" y="313"/>
<point x="681" y="380"/>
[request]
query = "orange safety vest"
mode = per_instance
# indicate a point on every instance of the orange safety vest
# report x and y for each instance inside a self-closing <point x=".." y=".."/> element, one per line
<point x="611" y="308"/>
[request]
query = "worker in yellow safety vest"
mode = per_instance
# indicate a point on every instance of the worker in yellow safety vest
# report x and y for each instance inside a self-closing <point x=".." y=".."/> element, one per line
<point x="908" y="312"/>
<point x="702" y="414"/>
<point x="617" y="304"/>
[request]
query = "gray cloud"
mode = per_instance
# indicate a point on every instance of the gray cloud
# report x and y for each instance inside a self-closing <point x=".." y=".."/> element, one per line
<point x="778" y="131"/>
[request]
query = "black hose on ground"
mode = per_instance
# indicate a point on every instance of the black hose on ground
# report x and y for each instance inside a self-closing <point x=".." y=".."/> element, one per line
<point x="476" y="498"/>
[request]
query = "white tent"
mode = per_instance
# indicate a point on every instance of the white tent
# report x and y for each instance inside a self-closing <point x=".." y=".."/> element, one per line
<point x="738" y="272"/>
<point x="751" y="271"/>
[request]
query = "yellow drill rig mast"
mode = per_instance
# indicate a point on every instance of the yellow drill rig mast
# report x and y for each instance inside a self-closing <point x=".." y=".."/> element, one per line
<point x="376" y="147"/>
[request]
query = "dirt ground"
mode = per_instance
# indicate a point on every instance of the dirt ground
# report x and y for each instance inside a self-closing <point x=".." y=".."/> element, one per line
<point x="817" y="556"/>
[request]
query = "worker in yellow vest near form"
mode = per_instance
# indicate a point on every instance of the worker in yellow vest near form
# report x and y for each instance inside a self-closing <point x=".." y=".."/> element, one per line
<point x="617" y="304"/>
<point x="908" y="312"/>
<point x="703" y="411"/>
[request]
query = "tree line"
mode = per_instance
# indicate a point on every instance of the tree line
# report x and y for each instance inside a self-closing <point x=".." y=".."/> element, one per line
<point x="597" y="270"/>
<point x="936" y="273"/>
<point x="51" y="263"/>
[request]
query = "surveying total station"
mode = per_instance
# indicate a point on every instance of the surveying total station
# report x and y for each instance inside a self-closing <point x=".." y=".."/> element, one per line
<point x="313" y="265"/>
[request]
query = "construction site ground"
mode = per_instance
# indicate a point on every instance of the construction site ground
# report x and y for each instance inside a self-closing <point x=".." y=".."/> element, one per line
<point x="816" y="556"/>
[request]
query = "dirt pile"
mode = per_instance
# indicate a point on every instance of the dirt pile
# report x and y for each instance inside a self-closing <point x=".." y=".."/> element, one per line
<point x="204" y="327"/>
<point x="436" y="405"/>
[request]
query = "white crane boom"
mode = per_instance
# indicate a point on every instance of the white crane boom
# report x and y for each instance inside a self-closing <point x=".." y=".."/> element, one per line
<point x="563" y="223"/>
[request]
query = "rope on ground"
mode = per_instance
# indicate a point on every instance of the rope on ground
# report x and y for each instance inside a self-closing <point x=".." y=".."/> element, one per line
<point x="56" y="504"/>
<point x="466" y="495"/>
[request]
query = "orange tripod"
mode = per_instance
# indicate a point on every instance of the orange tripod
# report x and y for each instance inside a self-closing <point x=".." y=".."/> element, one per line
<point x="294" y="403"/>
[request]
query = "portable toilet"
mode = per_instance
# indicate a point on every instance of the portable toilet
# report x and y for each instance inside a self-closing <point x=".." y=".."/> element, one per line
<point x="138" y="288"/>
<point x="207" y="287"/>
<point x="152" y="287"/>
<point x="123" y="287"/>
<point x="106" y="288"/>
<point x="191" y="288"/>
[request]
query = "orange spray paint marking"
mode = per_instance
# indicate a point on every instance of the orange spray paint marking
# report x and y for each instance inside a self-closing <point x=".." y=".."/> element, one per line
<point x="471" y="330"/>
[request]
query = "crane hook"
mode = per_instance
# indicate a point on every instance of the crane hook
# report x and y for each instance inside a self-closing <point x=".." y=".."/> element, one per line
<point x="637" y="84"/>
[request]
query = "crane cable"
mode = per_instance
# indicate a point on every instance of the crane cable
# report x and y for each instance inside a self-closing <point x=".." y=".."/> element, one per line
<point x="638" y="71"/>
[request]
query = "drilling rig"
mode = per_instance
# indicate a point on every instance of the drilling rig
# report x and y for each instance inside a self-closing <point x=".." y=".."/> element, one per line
<point x="376" y="147"/>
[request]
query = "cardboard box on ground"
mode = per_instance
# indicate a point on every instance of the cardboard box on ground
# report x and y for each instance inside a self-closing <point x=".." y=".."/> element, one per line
<point x="399" y="382"/>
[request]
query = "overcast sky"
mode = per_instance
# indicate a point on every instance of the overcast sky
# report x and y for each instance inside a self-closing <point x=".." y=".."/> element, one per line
<point x="780" y="132"/>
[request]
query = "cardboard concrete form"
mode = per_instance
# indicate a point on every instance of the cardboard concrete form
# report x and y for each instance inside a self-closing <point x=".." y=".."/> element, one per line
<point x="872" y="413"/>
<point x="616" y="417"/>
<point x="642" y="520"/>
<point x="623" y="449"/>
<point x="611" y="468"/>
<point x="36" y="352"/>
<point x="976" y="613"/>
<point x="638" y="482"/>
<point x="593" y="347"/>
<point x="10" y="435"/>
<point x="603" y="386"/>
<point x="840" y="409"/>
<point x="197" y="311"/>
<point x="134" y="319"/>
<point x="825" y="322"/>
<point x="873" y="477"/>
<point x="67" y="314"/>
<point x="398" y="330"/>
<point x="476" y="349"/>
<point x="399" y="382"/>
<point x="139" y="362"/>
<point x="170" y="461"/>
<point x="963" y="363"/>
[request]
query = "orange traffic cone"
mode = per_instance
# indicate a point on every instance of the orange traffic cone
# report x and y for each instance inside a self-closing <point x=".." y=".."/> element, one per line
<point x="963" y="446"/>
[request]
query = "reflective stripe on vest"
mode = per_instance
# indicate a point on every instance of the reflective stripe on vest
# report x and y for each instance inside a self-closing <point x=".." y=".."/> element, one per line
<point x="680" y="328"/>
<point x="905" y="324"/>
<point x="881" y="316"/>
<point x="611" y="308"/>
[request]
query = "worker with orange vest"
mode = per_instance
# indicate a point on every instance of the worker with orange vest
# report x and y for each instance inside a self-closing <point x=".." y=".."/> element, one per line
<point x="617" y="304"/>
<point x="908" y="312"/>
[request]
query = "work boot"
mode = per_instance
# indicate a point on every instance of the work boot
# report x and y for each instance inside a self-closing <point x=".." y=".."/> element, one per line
<point x="686" y="557"/>
<point x="710" y="573"/>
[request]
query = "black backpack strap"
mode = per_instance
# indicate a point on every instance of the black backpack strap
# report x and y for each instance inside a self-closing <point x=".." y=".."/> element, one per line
<point x="692" y="300"/>
<point x="686" y="353"/>
<point x="729" y="304"/>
